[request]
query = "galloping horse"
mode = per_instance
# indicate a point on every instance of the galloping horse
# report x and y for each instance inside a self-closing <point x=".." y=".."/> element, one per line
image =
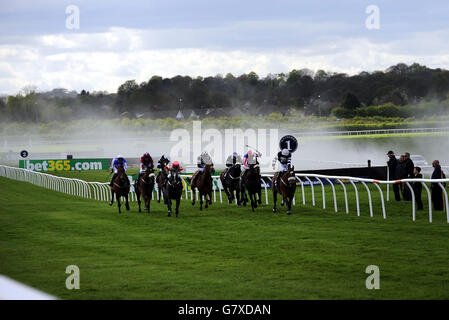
<point x="251" y="182"/>
<point x="145" y="188"/>
<point x="286" y="187"/>
<point x="173" y="191"/>
<point x="204" y="185"/>
<point x="120" y="186"/>
<point x="160" y="184"/>
<point x="232" y="183"/>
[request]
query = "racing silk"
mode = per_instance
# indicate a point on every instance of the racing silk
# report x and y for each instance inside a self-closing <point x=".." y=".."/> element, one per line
<point x="146" y="162"/>
<point x="162" y="163"/>
<point x="284" y="160"/>
<point x="115" y="164"/>
<point x="171" y="169"/>
<point x="245" y="158"/>
<point x="232" y="160"/>
<point x="203" y="160"/>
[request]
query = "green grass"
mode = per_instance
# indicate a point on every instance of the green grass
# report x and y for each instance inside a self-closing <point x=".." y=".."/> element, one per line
<point x="224" y="252"/>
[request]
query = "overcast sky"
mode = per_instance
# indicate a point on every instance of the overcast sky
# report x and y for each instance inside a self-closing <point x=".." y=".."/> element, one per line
<point x="122" y="40"/>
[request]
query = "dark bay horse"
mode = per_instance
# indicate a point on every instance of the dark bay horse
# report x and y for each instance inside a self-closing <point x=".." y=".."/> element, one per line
<point x="120" y="187"/>
<point x="251" y="182"/>
<point x="145" y="188"/>
<point x="160" y="184"/>
<point x="204" y="185"/>
<point x="232" y="183"/>
<point x="173" y="191"/>
<point x="286" y="187"/>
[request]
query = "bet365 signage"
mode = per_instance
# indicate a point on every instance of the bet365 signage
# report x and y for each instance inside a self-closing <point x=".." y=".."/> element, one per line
<point x="64" y="165"/>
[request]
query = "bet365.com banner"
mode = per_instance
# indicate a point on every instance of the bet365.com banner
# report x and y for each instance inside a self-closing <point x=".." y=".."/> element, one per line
<point x="64" y="165"/>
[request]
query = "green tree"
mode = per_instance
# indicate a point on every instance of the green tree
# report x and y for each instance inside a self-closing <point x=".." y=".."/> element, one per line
<point x="350" y="101"/>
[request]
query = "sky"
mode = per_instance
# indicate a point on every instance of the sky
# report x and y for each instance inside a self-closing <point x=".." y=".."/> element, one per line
<point x="41" y="45"/>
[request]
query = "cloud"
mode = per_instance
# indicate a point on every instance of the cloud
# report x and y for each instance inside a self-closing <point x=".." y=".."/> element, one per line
<point x="104" y="60"/>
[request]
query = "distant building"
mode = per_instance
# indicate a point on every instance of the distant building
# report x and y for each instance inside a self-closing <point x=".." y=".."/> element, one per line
<point x="179" y="115"/>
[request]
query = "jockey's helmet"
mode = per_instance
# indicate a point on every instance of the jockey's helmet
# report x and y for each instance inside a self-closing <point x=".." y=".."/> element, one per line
<point x="176" y="164"/>
<point x="250" y="152"/>
<point x="285" y="152"/>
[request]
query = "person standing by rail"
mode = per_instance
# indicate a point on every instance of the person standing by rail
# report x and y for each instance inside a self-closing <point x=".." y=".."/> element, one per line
<point x="392" y="163"/>
<point x="437" y="193"/>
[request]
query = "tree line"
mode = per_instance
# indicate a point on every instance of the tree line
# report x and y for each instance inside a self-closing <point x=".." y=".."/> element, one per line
<point x="318" y="93"/>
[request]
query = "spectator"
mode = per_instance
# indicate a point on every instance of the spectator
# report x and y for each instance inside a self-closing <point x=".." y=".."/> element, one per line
<point x="400" y="173"/>
<point x="409" y="173"/>
<point x="437" y="193"/>
<point x="417" y="187"/>
<point x="392" y="164"/>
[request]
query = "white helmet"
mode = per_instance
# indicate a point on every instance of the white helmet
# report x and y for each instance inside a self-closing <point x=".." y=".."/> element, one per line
<point x="119" y="156"/>
<point x="285" y="152"/>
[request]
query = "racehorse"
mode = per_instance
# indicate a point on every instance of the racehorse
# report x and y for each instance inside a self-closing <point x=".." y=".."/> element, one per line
<point x="232" y="183"/>
<point x="160" y="184"/>
<point x="204" y="185"/>
<point x="145" y="188"/>
<point x="251" y="182"/>
<point x="120" y="186"/>
<point x="173" y="191"/>
<point x="286" y="187"/>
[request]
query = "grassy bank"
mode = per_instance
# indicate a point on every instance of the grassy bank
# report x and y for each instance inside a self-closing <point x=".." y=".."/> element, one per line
<point x="224" y="252"/>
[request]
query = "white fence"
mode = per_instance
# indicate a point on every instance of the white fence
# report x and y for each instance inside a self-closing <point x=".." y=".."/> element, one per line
<point x="100" y="191"/>
<point x="373" y="131"/>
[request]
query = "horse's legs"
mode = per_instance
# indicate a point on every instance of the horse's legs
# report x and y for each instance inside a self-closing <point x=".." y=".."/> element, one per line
<point x="126" y="202"/>
<point x="275" y="198"/>
<point x="255" y="199"/>
<point x="193" y="195"/>
<point x="118" y="203"/>
<point x="112" y="198"/>
<point x="289" y="205"/>
<point x="259" y="194"/>
<point x="147" y="202"/>
<point x="228" y="193"/>
<point x="201" y="202"/>
<point x="138" y="199"/>
<point x="159" y="193"/>
<point x="252" y="199"/>
<point x="169" y="206"/>
<point x="238" y="194"/>
<point x="210" y="197"/>
<point x="178" y="200"/>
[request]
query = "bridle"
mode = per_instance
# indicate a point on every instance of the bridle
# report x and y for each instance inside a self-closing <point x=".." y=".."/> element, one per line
<point x="150" y="175"/>
<point x="293" y="178"/>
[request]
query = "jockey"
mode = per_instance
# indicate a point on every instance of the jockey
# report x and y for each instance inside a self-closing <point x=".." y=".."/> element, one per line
<point x="285" y="158"/>
<point x="174" y="166"/>
<point x="145" y="162"/>
<point x="202" y="160"/>
<point x="231" y="161"/>
<point x="249" y="154"/>
<point x="117" y="162"/>
<point x="162" y="164"/>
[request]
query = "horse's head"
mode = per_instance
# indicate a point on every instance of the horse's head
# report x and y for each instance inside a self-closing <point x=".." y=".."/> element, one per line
<point x="237" y="169"/>
<point x="148" y="175"/>
<point x="210" y="168"/>
<point x="175" y="179"/>
<point x="254" y="168"/>
<point x="290" y="175"/>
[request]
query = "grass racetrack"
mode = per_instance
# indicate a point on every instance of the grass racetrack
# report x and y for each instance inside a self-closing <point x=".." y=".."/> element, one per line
<point x="224" y="252"/>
